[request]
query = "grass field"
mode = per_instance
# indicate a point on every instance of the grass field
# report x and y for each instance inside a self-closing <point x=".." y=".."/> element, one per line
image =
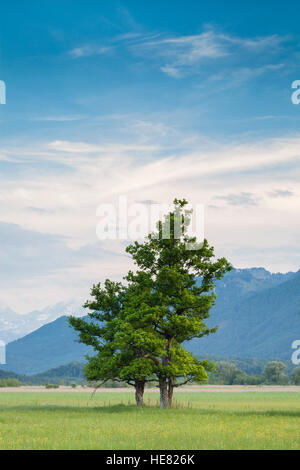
<point x="60" y="420"/>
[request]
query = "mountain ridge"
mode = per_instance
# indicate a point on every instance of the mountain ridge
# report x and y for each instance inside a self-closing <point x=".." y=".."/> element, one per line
<point x="15" y="325"/>
<point x="284" y="323"/>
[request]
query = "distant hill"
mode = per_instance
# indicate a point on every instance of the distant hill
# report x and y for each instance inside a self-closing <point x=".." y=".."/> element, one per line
<point x="257" y="313"/>
<point x="72" y="372"/>
<point x="11" y="375"/>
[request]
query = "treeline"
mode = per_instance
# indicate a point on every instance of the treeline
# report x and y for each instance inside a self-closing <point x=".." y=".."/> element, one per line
<point x="71" y="375"/>
<point x="251" y="371"/>
<point x="63" y="375"/>
<point x="9" y="382"/>
<point x="251" y="365"/>
<point x="274" y="373"/>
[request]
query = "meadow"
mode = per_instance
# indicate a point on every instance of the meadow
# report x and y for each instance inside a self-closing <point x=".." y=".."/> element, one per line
<point x="58" y="420"/>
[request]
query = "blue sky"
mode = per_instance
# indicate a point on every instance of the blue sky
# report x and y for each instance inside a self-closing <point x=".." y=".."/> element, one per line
<point x="152" y="100"/>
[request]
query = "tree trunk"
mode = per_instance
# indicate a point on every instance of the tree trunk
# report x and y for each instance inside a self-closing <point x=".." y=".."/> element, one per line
<point x="163" y="383"/>
<point x="139" y="392"/>
<point x="170" y="392"/>
<point x="163" y="387"/>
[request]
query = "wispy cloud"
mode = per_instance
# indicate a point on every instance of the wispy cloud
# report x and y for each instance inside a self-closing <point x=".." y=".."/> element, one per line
<point x="126" y="40"/>
<point x="178" y="53"/>
<point x="179" y="56"/>
<point x="70" y="118"/>
<point x="85" y="148"/>
<point x="89" y="50"/>
<point x="271" y="42"/>
<point x="281" y="193"/>
<point x="240" y="199"/>
<point x="232" y="76"/>
<point x="182" y="54"/>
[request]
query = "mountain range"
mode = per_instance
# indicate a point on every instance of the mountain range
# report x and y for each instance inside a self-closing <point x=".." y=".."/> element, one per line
<point x="52" y="345"/>
<point x="14" y="325"/>
<point x="258" y="314"/>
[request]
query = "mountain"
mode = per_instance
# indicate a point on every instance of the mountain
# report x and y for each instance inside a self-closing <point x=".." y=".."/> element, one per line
<point x="261" y="323"/>
<point x="52" y="345"/>
<point x="242" y="283"/>
<point x="14" y="325"/>
<point x="257" y="313"/>
<point x="9" y="324"/>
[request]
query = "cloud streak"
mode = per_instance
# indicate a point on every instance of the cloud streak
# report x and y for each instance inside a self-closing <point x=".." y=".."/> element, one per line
<point x="87" y="51"/>
<point x="180" y="56"/>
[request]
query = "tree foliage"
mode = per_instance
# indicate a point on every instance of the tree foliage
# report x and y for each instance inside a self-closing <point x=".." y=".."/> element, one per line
<point x="274" y="373"/>
<point x="296" y="376"/>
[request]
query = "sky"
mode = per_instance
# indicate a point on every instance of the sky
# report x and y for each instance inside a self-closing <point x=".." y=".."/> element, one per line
<point x="151" y="101"/>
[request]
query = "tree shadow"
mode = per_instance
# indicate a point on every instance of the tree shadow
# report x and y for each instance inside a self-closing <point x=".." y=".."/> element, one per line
<point x="132" y="408"/>
<point x="109" y="409"/>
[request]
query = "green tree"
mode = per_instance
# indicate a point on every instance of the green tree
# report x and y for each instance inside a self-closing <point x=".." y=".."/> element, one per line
<point x="227" y="373"/>
<point x="296" y="376"/>
<point x="138" y="330"/>
<point x="117" y="357"/>
<point x="274" y="374"/>
<point x="171" y="293"/>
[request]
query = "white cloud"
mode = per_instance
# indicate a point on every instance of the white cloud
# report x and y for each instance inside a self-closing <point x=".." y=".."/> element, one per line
<point x="82" y="147"/>
<point x="239" y="199"/>
<point x="171" y="71"/>
<point x="271" y="42"/>
<point x="66" y="201"/>
<point x="279" y="193"/>
<point x="178" y="56"/>
<point x="59" y="118"/>
<point x="184" y="55"/>
<point x="86" y="51"/>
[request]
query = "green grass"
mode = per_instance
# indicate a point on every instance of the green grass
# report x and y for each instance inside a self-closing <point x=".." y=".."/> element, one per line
<point x="111" y="421"/>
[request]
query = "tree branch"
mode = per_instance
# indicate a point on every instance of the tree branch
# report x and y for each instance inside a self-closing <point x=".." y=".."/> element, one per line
<point x="154" y="359"/>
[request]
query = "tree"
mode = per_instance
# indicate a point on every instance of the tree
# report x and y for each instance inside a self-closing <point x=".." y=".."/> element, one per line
<point x="117" y="358"/>
<point x="228" y="373"/>
<point x="138" y="330"/>
<point x="296" y="376"/>
<point x="173" y="292"/>
<point x="273" y="373"/>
